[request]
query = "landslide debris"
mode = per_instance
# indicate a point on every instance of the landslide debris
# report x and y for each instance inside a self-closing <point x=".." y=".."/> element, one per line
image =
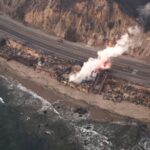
<point x="114" y="89"/>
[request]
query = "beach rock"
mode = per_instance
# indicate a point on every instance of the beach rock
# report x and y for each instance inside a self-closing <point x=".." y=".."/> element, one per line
<point x="80" y="111"/>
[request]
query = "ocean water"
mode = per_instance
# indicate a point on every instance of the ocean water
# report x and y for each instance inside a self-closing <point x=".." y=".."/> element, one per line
<point x="29" y="122"/>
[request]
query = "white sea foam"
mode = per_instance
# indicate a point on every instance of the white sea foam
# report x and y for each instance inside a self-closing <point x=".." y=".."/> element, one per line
<point x="124" y="123"/>
<point x="1" y="100"/>
<point x="3" y="77"/>
<point x="45" y="104"/>
<point x="11" y="85"/>
<point x="93" y="139"/>
<point x="144" y="143"/>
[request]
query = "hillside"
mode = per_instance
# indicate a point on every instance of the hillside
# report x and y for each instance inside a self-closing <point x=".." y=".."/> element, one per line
<point x="88" y="21"/>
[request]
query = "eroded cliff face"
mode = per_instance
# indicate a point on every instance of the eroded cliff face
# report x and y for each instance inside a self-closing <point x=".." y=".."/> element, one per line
<point x="88" y="21"/>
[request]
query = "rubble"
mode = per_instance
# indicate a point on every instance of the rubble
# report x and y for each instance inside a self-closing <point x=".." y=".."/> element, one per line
<point x="2" y="41"/>
<point x="105" y="84"/>
<point x="119" y="90"/>
<point x="98" y="83"/>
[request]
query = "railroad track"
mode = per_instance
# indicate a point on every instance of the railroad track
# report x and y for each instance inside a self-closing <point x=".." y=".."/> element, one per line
<point x="123" y="67"/>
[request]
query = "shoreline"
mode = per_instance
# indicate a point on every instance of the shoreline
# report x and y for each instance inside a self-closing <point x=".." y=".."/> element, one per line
<point x="49" y="88"/>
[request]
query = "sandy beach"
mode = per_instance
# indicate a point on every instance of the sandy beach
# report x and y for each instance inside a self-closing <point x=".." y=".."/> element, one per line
<point x="50" y="89"/>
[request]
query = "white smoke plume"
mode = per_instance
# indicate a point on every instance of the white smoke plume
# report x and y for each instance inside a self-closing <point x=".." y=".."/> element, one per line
<point x="131" y="39"/>
<point x="145" y="11"/>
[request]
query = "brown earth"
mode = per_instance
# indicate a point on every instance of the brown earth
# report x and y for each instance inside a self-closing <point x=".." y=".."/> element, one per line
<point x="90" y="21"/>
<point x="52" y="80"/>
<point x="45" y="86"/>
<point x="113" y="88"/>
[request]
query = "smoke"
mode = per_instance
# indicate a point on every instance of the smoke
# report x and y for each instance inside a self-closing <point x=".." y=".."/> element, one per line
<point x="144" y="16"/>
<point x="131" y="39"/>
<point x="145" y="11"/>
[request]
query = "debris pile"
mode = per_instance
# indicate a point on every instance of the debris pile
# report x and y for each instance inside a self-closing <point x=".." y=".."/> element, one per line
<point x="98" y="83"/>
<point x="2" y="42"/>
<point x="119" y="90"/>
<point x="15" y="51"/>
<point x="60" y="69"/>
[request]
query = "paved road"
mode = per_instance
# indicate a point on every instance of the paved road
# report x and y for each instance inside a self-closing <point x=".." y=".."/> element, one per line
<point x="123" y="67"/>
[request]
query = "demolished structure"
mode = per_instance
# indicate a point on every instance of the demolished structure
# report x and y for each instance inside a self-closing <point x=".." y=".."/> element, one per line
<point x="129" y="40"/>
<point x="104" y="83"/>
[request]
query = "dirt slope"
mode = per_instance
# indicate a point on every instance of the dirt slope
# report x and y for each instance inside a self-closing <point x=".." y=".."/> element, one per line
<point x="88" y="21"/>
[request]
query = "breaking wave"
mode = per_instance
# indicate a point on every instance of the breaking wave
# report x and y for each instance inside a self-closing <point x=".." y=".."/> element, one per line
<point x="1" y="100"/>
<point x="91" y="139"/>
<point x="45" y="104"/>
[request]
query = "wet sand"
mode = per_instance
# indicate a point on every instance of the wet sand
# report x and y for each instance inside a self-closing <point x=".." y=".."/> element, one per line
<point x="52" y="90"/>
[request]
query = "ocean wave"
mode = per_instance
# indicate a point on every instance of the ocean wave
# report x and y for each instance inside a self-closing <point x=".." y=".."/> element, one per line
<point x="125" y="123"/>
<point x="144" y="144"/>
<point x="1" y="100"/>
<point x="45" y="104"/>
<point x="91" y="139"/>
<point x="3" y="77"/>
<point x="10" y="83"/>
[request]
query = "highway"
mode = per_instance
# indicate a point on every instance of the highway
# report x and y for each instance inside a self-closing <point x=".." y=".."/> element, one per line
<point x="124" y="67"/>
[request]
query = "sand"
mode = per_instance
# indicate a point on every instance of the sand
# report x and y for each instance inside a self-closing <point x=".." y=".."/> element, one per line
<point x="52" y="90"/>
